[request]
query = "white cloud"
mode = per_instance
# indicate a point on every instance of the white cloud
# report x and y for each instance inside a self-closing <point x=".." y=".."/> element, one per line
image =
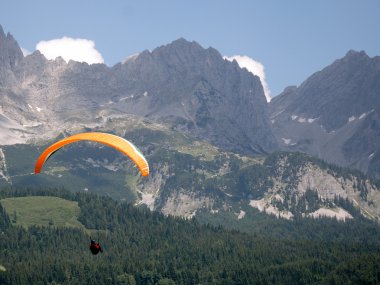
<point x="255" y="67"/>
<point x="25" y="52"/>
<point x="81" y="50"/>
<point x="131" y="57"/>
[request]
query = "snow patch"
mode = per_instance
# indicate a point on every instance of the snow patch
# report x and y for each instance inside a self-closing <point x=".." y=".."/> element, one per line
<point x="302" y="120"/>
<point x="286" y="141"/>
<point x="111" y="167"/>
<point x="353" y="118"/>
<point x="38" y="109"/>
<point x="371" y="155"/>
<point x="127" y="97"/>
<point x="124" y="98"/>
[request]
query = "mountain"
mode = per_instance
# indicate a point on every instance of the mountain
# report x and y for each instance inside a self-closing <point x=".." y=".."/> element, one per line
<point x="334" y="114"/>
<point x="191" y="178"/>
<point x="202" y="122"/>
<point x="182" y="84"/>
<point x="10" y="55"/>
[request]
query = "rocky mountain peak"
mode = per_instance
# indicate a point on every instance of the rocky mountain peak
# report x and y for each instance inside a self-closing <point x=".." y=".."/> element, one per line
<point x="198" y="91"/>
<point x="343" y="89"/>
<point x="182" y="43"/>
<point x="2" y="34"/>
<point x="183" y="54"/>
<point x="180" y="46"/>
<point x="334" y="113"/>
<point x="10" y="51"/>
<point x="353" y="54"/>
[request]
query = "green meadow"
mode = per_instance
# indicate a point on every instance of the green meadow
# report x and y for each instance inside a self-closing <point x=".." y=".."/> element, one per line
<point x="42" y="211"/>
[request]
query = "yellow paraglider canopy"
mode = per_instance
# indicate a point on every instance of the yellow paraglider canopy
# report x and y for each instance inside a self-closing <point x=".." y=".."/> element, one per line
<point x="116" y="142"/>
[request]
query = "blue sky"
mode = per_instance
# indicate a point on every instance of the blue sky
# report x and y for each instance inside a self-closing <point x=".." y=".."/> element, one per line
<point x="291" y="39"/>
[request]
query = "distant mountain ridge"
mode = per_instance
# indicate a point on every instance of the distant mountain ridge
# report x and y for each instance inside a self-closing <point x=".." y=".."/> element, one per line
<point x="334" y="114"/>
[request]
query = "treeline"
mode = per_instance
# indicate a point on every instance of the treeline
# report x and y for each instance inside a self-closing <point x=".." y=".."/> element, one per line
<point x="143" y="247"/>
<point x="353" y="231"/>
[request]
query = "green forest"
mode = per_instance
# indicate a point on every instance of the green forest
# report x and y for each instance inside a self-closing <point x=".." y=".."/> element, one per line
<point x="143" y="247"/>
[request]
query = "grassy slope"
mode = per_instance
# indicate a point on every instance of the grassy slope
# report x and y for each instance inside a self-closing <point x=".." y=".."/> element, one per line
<point x="42" y="211"/>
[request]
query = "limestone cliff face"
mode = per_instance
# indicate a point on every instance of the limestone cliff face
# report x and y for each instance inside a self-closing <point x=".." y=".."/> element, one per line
<point x="304" y="185"/>
<point x="284" y="184"/>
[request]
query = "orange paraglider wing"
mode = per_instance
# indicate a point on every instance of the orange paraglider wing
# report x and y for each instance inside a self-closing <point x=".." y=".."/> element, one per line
<point x="116" y="142"/>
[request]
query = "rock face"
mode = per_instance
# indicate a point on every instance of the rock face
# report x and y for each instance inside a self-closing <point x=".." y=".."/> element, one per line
<point x="198" y="91"/>
<point x="10" y="56"/>
<point x="10" y="52"/>
<point x="306" y="186"/>
<point x="334" y="114"/>
<point x="191" y="88"/>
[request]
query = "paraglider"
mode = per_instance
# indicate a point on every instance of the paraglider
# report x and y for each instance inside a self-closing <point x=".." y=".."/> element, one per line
<point x="114" y="141"/>
<point x="95" y="247"/>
